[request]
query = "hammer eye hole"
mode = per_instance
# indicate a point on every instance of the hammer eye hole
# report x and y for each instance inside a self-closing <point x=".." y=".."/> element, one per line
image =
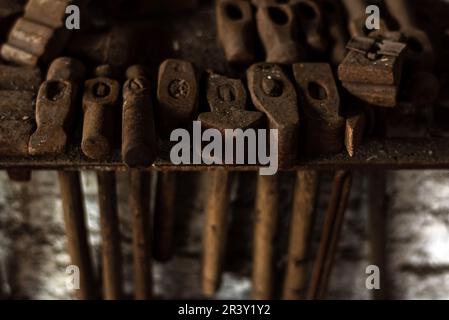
<point x="234" y="12"/>
<point x="317" y="91"/>
<point x="278" y="16"/>
<point x="101" y="90"/>
<point x="307" y="11"/>
<point x="54" y="90"/>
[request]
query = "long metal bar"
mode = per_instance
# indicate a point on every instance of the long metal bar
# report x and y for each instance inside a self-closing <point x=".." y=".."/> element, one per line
<point x="139" y="203"/>
<point x="215" y="231"/>
<point x="330" y="235"/>
<point x="110" y="234"/>
<point x="394" y="154"/>
<point x="265" y="227"/>
<point x="74" y="218"/>
<point x="164" y="216"/>
<point x="295" y="281"/>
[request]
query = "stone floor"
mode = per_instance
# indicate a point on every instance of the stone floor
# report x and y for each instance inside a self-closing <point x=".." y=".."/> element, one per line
<point x="33" y="256"/>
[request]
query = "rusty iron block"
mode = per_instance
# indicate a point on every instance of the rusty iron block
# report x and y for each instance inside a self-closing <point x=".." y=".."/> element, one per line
<point x="273" y="94"/>
<point x="100" y="105"/>
<point x="277" y="26"/>
<point x="236" y="30"/>
<point x="319" y="99"/>
<point x="227" y="99"/>
<point x="16" y="122"/>
<point x="55" y="107"/>
<point x="177" y="94"/>
<point x="29" y="42"/>
<point x="139" y="143"/>
<point x="372" y="70"/>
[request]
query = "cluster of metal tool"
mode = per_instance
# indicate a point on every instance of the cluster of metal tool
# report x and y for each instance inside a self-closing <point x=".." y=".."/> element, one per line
<point x="318" y="108"/>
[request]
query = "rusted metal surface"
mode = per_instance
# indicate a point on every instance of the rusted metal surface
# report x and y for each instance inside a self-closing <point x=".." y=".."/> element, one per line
<point x="177" y="94"/>
<point x="17" y="122"/>
<point x="139" y="145"/>
<point x="56" y="107"/>
<point x="165" y="216"/>
<point x="372" y="70"/>
<point x="215" y="231"/>
<point x="100" y="106"/>
<point x="277" y="26"/>
<point x="139" y="205"/>
<point x="110" y="237"/>
<point x="227" y="99"/>
<point x="273" y="93"/>
<point x="330" y="237"/>
<point x="265" y="228"/>
<point x="40" y="35"/>
<point x="355" y="129"/>
<point x="305" y="196"/>
<point x="236" y="30"/>
<point x="78" y="245"/>
<point x="319" y="102"/>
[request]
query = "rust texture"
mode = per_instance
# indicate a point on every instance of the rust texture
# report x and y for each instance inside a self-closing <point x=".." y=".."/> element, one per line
<point x="320" y="105"/>
<point x="100" y="106"/>
<point x="56" y="107"/>
<point x="139" y="205"/>
<point x="296" y="276"/>
<point x="164" y="216"/>
<point x="177" y="94"/>
<point x="330" y="236"/>
<point x="265" y="227"/>
<point x="139" y="145"/>
<point x="277" y="26"/>
<point x="372" y="70"/>
<point x="110" y="236"/>
<point x="215" y="231"/>
<point x="273" y="93"/>
<point x="75" y="224"/>
<point x="236" y="30"/>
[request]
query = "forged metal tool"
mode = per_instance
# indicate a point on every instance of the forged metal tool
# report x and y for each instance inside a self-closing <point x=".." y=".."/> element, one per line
<point x="372" y="70"/>
<point x="55" y="107"/>
<point x="320" y="104"/>
<point x="330" y="237"/>
<point x="277" y="26"/>
<point x="273" y="93"/>
<point x="310" y="18"/>
<point x="177" y="95"/>
<point x="100" y="106"/>
<point x="75" y="225"/>
<point x="139" y="145"/>
<point x="227" y="99"/>
<point x="265" y="227"/>
<point x="236" y="30"/>
<point x="139" y="205"/>
<point x="306" y="189"/>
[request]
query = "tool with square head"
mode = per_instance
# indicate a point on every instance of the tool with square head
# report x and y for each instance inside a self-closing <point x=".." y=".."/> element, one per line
<point x="273" y="94"/>
<point x="227" y="99"/>
<point x="139" y="144"/>
<point x="100" y="105"/>
<point x="323" y="124"/>
<point x="372" y="70"/>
